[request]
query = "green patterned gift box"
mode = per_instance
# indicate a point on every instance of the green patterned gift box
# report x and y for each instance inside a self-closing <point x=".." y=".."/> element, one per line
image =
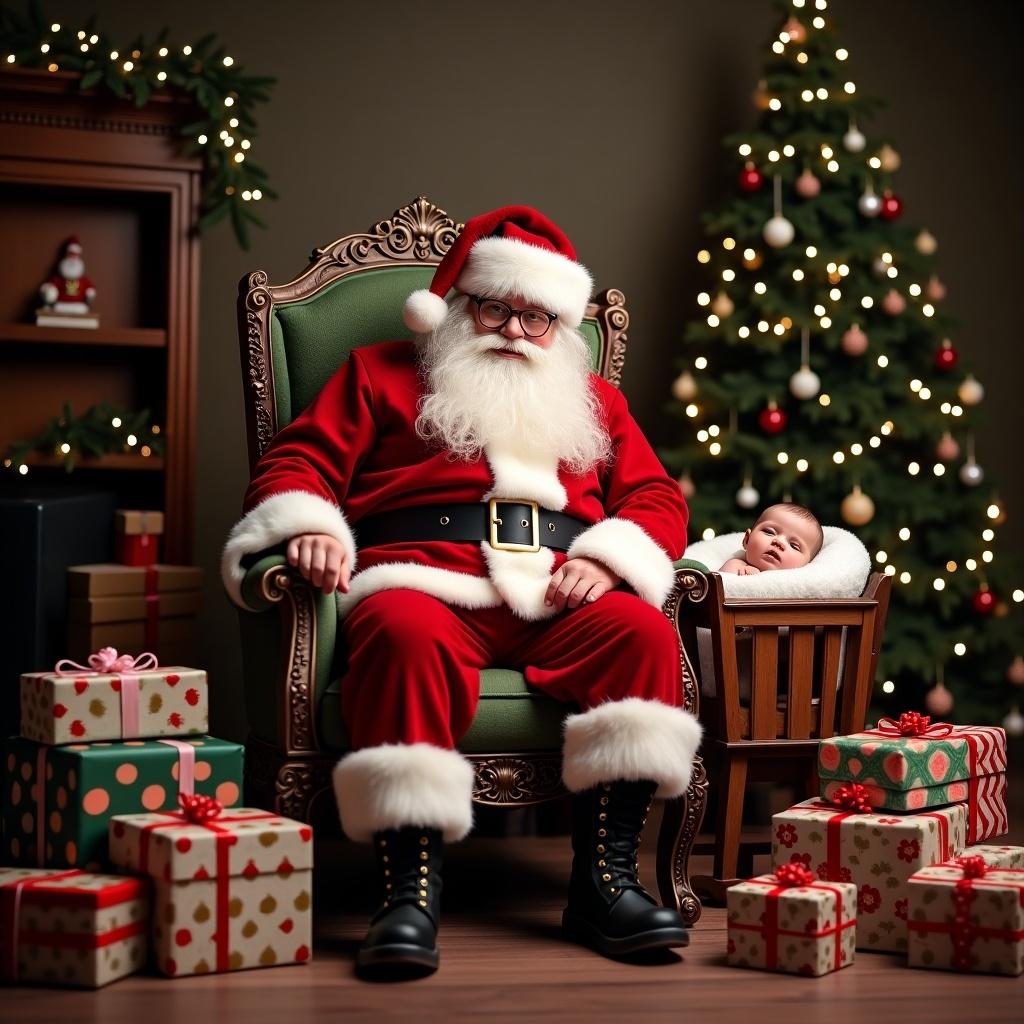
<point x="86" y="784"/>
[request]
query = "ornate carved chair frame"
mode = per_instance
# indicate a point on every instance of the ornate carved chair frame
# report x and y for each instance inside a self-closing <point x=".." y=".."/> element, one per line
<point x="291" y="773"/>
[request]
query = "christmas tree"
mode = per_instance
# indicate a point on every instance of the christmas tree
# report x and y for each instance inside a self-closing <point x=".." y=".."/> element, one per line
<point x="824" y="369"/>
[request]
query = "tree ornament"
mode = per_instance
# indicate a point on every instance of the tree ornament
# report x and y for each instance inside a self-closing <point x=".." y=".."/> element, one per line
<point x="892" y="206"/>
<point x="889" y="159"/>
<point x="880" y="267"/>
<point x="747" y="496"/>
<point x="936" y="290"/>
<point x="807" y="185"/>
<point x="684" y="387"/>
<point x="722" y="306"/>
<point x="854" y="341"/>
<point x="761" y="97"/>
<point x="1002" y="610"/>
<point x="947" y="356"/>
<point x="971" y="474"/>
<point x="894" y="303"/>
<point x="853" y="140"/>
<point x="1015" y="671"/>
<point x="926" y="243"/>
<point x="984" y="600"/>
<point x="857" y="508"/>
<point x="947" y="450"/>
<point x="753" y="262"/>
<point x="795" y="30"/>
<point x="970" y="391"/>
<point x="751" y="179"/>
<point x="805" y="383"/>
<point x="1013" y="723"/>
<point x="869" y="204"/>
<point x="938" y="700"/>
<point x="772" y="420"/>
<point x="778" y="232"/>
<point x="686" y="486"/>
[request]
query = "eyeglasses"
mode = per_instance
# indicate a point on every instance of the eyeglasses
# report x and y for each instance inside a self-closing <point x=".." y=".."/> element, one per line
<point x="494" y="315"/>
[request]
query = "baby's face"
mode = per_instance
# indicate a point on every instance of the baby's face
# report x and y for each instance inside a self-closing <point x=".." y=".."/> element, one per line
<point x="780" y="539"/>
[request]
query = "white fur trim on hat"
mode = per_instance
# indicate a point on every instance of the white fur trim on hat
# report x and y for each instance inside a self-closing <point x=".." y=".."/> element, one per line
<point x="840" y="569"/>
<point x="275" y="520"/>
<point x="424" y="311"/>
<point x="499" y="267"/>
<point x="629" y="552"/>
<point x="631" y="740"/>
<point x="397" y="785"/>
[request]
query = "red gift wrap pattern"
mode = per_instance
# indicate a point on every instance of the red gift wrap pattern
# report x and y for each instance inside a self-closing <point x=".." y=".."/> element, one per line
<point x="232" y="890"/>
<point x="71" y="927"/>
<point x="966" y="916"/>
<point x="877" y="852"/>
<point x="808" y="928"/>
<point x="912" y="765"/>
<point x="88" y="706"/>
<point x="997" y="856"/>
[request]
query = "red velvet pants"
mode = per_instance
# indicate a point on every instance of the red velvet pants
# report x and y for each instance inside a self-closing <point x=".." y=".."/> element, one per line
<point x="414" y="661"/>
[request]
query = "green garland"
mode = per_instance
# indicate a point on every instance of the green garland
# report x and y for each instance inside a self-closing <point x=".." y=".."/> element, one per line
<point x="218" y="86"/>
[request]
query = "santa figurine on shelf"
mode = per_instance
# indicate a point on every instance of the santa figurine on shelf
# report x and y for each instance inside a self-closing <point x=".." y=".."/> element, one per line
<point x="69" y="293"/>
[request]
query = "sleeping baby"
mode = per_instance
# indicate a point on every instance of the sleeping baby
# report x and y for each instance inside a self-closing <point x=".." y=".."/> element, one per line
<point x="785" y="536"/>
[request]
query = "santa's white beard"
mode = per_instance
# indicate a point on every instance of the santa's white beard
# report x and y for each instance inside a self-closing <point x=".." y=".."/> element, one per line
<point x="541" y="404"/>
<point x="71" y="268"/>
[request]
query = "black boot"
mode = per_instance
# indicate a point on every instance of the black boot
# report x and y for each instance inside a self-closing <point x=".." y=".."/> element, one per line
<point x="609" y="910"/>
<point x="403" y="932"/>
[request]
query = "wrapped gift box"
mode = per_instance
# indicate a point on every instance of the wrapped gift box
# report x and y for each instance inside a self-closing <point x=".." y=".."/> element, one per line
<point x="877" y="852"/>
<point x="71" y="927"/>
<point x="70" y="707"/>
<point x="911" y="765"/>
<point x="85" y="784"/>
<point x="776" y="925"/>
<point x="137" y="536"/>
<point x="967" y="917"/>
<point x="998" y="856"/>
<point x="232" y="891"/>
<point x="134" y="608"/>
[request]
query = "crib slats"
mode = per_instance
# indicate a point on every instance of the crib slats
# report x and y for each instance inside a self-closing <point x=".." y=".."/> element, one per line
<point x="764" y="697"/>
<point x="830" y="677"/>
<point x="801" y="679"/>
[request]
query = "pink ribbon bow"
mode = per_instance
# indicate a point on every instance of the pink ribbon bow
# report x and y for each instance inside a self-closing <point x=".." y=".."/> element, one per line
<point x="106" y="660"/>
<point x="913" y="723"/>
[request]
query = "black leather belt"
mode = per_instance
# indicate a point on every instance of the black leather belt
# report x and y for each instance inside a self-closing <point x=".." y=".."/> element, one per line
<point x="505" y="525"/>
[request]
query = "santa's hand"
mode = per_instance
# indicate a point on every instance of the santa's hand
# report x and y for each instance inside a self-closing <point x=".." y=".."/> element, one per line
<point x="579" y="580"/>
<point x="322" y="560"/>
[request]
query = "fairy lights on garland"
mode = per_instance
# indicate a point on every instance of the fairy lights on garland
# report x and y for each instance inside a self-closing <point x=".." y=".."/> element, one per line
<point x="232" y="182"/>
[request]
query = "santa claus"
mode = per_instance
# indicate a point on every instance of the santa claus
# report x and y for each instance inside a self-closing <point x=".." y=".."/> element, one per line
<point x="479" y="497"/>
<point x="69" y="290"/>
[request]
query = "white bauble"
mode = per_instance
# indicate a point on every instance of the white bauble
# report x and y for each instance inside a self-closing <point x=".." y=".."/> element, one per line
<point x="747" y="496"/>
<point x="926" y="243"/>
<point x="854" y="141"/>
<point x="1013" y="723"/>
<point x="778" y="232"/>
<point x="684" y="387"/>
<point x="805" y="383"/>
<point x="970" y="391"/>
<point x="971" y="474"/>
<point x="869" y="204"/>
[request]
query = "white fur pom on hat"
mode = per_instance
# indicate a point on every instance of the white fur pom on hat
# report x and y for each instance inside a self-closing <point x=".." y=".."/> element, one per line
<point x="514" y="250"/>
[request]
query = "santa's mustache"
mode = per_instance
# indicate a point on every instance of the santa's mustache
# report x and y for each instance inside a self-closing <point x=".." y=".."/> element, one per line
<point x="491" y="342"/>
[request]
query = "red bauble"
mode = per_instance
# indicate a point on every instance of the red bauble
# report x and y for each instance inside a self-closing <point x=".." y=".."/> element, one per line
<point x="772" y="420"/>
<point x="946" y="358"/>
<point x="751" y="179"/>
<point x="984" y="601"/>
<point x="891" y="207"/>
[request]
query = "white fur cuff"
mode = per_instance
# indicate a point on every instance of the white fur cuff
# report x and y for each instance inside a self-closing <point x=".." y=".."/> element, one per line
<point x="627" y="550"/>
<point x="398" y="785"/>
<point x="275" y="520"/>
<point x="630" y="740"/>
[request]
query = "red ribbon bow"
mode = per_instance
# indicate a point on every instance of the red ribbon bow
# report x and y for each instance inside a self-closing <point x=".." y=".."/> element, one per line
<point x="852" y="796"/>
<point x="793" y="874"/>
<point x="199" y="809"/>
<point x="973" y="866"/>
<point x="913" y="723"/>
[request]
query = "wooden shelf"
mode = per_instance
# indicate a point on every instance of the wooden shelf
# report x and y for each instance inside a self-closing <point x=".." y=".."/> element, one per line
<point x="133" y="337"/>
<point x="117" y="461"/>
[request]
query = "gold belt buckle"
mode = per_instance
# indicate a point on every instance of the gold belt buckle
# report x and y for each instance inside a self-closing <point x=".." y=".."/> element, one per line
<point x="496" y="521"/>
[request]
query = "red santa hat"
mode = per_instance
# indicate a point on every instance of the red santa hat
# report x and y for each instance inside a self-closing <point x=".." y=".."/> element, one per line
<point x="514" y="250"/>
<point x="73" y="247"/>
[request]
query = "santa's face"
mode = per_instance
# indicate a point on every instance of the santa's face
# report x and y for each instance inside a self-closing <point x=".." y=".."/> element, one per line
<point x="513" y="328"/>
<point x="71" y="267"/>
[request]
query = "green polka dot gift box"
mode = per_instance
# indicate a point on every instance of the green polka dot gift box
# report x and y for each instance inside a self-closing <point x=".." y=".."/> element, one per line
<point x="63" y="822"/>
<point x="232" y="887"/>
<point x="71" y="927"/>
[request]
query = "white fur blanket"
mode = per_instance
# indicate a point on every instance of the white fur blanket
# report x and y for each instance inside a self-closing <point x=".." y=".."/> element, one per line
<point x="840" y="569"/>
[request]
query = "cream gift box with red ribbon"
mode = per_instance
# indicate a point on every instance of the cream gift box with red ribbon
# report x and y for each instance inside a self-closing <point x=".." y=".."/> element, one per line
<point x="791" y="922"/>
<point x="233" y="889"/>
<point x="967" y="916"/>
<point x="997" y="856"/>
<point x="71" y="927"/>
<point x="115" y="697"/>
<point x="912" y="764"/>
<point x="878" y="852"/>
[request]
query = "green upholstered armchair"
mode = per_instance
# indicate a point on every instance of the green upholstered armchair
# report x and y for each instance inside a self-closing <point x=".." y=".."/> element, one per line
<point x="293" y="337"/>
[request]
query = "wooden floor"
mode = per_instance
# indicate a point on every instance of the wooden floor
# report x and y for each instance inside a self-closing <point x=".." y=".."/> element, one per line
<point x="502" y="958"/>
